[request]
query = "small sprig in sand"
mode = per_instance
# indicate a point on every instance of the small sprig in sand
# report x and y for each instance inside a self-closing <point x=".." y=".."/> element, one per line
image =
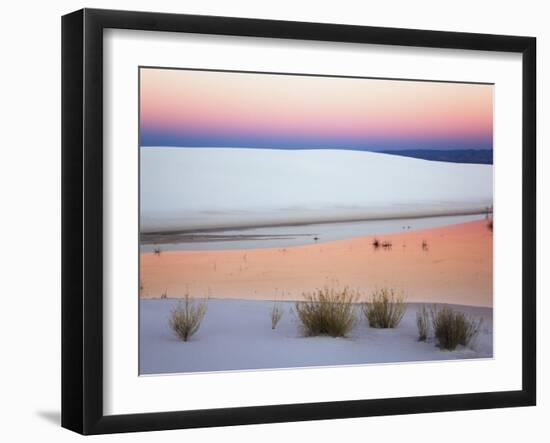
<point x="186" y="317"/>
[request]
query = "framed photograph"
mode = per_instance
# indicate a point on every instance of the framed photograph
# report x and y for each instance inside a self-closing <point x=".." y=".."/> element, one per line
<point x="269" y="221"/>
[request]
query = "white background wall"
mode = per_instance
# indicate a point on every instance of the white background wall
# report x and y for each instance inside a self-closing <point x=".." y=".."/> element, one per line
<point x="30" y="218"/>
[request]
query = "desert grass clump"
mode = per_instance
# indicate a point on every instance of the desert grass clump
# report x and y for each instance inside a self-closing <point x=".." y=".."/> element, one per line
<point x="186" y="317"/>
<point x="385" y="309"/>
<point x="276" y="314"/>
<point x="422" y="323"/>
<point x="453" y="328"/>
<point x="328" y="312"/>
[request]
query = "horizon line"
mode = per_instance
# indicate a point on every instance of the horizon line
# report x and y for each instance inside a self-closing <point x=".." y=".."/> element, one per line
<point x="345" y="148"/>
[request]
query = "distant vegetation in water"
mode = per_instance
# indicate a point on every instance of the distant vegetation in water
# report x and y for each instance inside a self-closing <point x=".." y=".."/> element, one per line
<point x="479" y="156"/>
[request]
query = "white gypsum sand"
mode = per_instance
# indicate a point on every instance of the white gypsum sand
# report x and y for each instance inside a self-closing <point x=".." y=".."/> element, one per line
<point x="205" y="188"/>
<point x="237" y="335"/>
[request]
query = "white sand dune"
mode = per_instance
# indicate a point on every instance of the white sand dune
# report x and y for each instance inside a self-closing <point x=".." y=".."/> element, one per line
<point x="237" y="335"/>
<point x="194" y="189"/>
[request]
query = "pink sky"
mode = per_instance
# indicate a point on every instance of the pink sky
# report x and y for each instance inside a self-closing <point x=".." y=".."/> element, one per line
<point x="177" y="103"/>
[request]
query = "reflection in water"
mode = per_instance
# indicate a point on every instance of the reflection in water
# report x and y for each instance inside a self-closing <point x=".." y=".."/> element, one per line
<point x="294" y="235"/>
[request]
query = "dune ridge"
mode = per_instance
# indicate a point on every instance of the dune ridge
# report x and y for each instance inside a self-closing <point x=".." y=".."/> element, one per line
<point x="213" y="188"/>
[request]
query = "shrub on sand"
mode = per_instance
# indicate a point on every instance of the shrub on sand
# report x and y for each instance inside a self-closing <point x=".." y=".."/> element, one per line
<point x="385" y="309"/>
<point x="186" y="317"/>
<point x="276" y="315"/>
<point x="328" y="312"/>
<point x="453" y="328"/>
<point x="422" y="323"/>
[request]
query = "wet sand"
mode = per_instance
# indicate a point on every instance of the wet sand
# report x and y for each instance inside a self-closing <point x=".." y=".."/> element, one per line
<point x="451" y="264"/>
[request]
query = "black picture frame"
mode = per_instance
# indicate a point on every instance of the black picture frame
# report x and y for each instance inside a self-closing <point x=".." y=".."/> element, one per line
<point x="82" y="219"/>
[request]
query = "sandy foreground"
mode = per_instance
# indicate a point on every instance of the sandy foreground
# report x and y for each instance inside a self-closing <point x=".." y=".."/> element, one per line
<point x="237" y="335"/>
<point x="451" y="264"/>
